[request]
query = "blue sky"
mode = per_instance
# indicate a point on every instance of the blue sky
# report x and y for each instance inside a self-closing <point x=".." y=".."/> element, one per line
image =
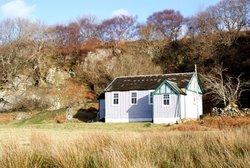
<point x="63" y="11"/>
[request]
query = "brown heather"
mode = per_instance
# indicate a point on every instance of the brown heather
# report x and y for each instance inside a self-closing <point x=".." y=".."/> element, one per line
<point x="220" y="148"/>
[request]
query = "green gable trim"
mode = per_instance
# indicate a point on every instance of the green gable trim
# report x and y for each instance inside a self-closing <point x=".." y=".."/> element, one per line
<point x="179" y="105"/>
<point x="169" y="85"/>
<point x="153" y="107"/>
<point x="178" y="101"/>
<point x="194" y="91"/>
<point x="164" y="93"/>
<point x="199" y="84"/>
<point x="202" y="89"/>
<point x="189" y="83"/>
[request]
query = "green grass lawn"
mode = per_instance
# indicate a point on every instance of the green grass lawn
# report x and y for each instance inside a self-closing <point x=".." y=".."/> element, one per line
<point x="49" y="120"/>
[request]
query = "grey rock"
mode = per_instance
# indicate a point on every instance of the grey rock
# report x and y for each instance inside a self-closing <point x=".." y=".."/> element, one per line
<point x="56" y="77"/>
<point x="21" y="82"/>
<point x="55" y="104"/>
<point x="229" y="111"/>
<point x="21" y="117"/>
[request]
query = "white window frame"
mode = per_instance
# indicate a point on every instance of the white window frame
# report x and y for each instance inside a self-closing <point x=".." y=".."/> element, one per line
<point x="113" y="93"/>
<point x="149" y="93"/>
<point x="166" y="105"/>
<point x="130" y="99"/>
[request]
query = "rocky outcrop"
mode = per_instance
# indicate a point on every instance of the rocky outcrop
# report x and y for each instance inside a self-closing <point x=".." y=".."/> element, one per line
<point x="58" y="91"/>
<point x="21" y="93"/>
<point x="21" y="82"/>
<point x="55" y="103"/>
<point x="98" y="55"/>
<point x="56" y="76"/>
<point x="14" y="92"/>
<point x="230" y="111"/>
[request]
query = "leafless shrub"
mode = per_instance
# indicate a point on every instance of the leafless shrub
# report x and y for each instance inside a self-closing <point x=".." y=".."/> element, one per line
<point x="28" y="104"/>
<point x="21" y="47"/>
<point x="224" y="88"/>
<point x="101" y="73"/>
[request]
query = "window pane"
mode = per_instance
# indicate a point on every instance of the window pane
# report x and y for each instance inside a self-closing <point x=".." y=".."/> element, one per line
<point x="133" y="97"/>
<point x="150" y="97"/>
<point x="134" y="101"/>
<point x="115" y="95"/>
<point x="115" y="101"/>
<point x="115" y="98"/>
<point x="134" y="94"/>
<point x="166" y="96"/>
<point x="166" y="100"/>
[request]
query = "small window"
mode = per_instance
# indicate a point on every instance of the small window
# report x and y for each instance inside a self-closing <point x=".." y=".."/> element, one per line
<point x="165" y="100"/>
<point x="115" y="98"/>
<point x="150" y="97"/>
<point x="133" y="96"/>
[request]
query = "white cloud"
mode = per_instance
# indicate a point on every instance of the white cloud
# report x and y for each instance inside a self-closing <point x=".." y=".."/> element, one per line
<point x="17" y="8"/>
<point x="120" y="12"/>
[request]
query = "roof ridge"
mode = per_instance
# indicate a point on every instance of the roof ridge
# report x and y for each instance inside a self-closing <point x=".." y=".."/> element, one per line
<point x="155" y="75"/>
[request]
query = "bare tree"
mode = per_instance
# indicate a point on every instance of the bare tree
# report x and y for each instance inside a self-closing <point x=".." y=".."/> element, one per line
<point x="21" y="48"/>
<point x="14" y="30"/>
<point x="203" y="23"/>
<point x="8" y="63"/>
<point x="38" y="47"/>
<point x="119" y="28"/>
<point x="13" y="36"/>
<point x="147" y="32"/>
<point x="167" y="22"/>
<point x="233" y="14"/>
<point x="224" y="88"/>
<point x="89" y="29"/>
<point x="225" y="19"/>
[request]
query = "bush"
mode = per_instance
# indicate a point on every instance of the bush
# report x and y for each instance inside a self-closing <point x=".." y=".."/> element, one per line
<point x="29" y="103"/>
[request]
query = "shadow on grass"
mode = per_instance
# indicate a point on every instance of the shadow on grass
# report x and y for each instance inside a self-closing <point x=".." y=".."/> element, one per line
<point x="87" y="115"/>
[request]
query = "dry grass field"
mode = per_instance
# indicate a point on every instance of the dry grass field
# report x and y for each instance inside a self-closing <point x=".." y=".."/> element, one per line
<point x="213" y="142"/>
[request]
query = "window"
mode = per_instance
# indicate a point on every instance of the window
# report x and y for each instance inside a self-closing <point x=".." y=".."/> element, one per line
<point x="133" y="97"/>
<point x="194" y="99"/>
<point x="115" y="98"/>
<point x="150" y="97"/>
<point x="165" y="100"/>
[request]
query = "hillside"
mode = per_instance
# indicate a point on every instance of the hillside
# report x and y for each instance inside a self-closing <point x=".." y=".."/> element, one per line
<point x="79" y="81"/>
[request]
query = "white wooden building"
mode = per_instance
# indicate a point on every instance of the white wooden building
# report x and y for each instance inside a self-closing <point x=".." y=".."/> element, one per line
<point x="161" y="98"/>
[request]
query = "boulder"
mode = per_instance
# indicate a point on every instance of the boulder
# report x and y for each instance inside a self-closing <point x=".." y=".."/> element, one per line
<point x="14" y="91"/>
<point x="21" y="83"/>
<point x="56" y="77"/>
<point x="21" y="116"/>
<point x="55" y="103"/>
<point x="230" y="110"/>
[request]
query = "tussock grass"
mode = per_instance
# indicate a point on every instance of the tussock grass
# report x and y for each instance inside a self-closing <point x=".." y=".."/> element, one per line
<point x="225" y="122"/>
<point x="213" y="123"/>
<point x="228" y="148"/>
